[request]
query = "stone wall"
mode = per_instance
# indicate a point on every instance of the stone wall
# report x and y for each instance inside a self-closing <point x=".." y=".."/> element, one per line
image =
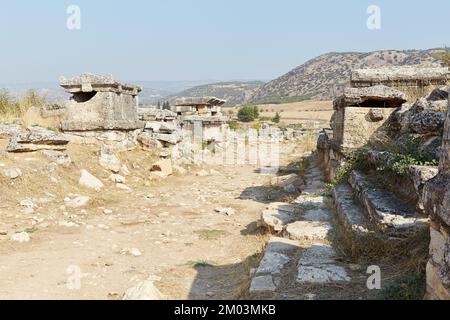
<point x="437" y="205"/>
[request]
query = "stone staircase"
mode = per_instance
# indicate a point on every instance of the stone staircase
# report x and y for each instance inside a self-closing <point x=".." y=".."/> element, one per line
<point x="300" y="254"/>
<point x="364" y="207"/>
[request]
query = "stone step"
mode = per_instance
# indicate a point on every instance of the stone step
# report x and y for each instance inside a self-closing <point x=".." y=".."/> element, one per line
<point x="350" y="211"/>
<point x="319" y="265"/>
<point x="390" y="214"/>
<point x="278" y="214"/>
<point x="309" y="230"/>
<point x="267" y="277"/>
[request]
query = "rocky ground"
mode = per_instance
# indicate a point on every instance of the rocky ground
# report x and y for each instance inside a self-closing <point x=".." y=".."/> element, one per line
<point x="193" y="234"/>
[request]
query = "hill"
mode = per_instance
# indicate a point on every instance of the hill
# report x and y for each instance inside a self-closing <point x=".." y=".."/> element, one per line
<point x="324" y="77"/>
<point x="235" y="93"/>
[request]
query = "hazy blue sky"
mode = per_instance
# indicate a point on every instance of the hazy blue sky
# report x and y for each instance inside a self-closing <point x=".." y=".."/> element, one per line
<point x="202" y="39"/>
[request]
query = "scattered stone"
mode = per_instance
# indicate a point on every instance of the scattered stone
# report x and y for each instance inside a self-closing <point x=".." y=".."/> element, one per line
<point x="20" y="237"/>
<point x="179" y="170"/>
<point x="12" y="173"/>
<point x="77" y="202"/>
<point x="202" y="173"/>
<point x="145" y="290"/>
<point x="89" y="181"/>
<point x="57" y="156"/>
<point x="109" y="161"/>
<point x="27" y="203"/>
<point x="117" y="178"/>
<point x="108" y="211"/>
<point x="226" y="211"/>
<point x="164" y="166"/>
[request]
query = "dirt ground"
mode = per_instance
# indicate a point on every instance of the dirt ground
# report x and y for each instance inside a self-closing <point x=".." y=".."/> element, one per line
<point x="196" y="252"/>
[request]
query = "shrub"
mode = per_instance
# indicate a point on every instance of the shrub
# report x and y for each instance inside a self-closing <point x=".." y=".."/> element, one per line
<point x="248" y="113"/>
<point x="234" y="125"/>
<point x="277" y="118"/>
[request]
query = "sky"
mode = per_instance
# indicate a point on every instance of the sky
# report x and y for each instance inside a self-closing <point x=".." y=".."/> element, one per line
<point x="174" y="40"/>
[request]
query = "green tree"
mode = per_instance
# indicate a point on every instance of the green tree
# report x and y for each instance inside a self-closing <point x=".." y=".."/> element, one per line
<point x="248" y="113"/>
<point x="166" y="105"/>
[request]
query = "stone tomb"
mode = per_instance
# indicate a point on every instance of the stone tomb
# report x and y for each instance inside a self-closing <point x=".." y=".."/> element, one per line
<point x="359" y="113"/>
<point x="100" y="103"/>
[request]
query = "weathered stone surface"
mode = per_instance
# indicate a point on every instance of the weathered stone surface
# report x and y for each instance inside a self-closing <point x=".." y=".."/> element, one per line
<point x="376" y="114"/>
<point x="163" y="166"/>
<point x="318" y="215"/>
<point x="89" y="181"/>
<point x="317" y="266"/>
<point x="12" y="173"/>
<point x="20" y="237"/>
<point x="420" y="175"/>
<point x="349" y="210"/>
<point x="36" y="138"/>
<point x="117" y="178"/>
<point x="145" y="290"/>
<point x="100" y="103"/>
<point x="436" y="289"/>
<point x="77" y="202"/>
<point x="151" y="114"/>
<point x="172" y="138"/>
<point x="109" y="161"/>
<point x="282" y="245"/>
<point x="9" y="130"/>
<point x="179" y="170"/>
<point x="149" y="142"/>
<point x="57" y="156"/>
<point x="308" y="230"/>
<point x="262" y="284"/>
<point x="277" y="215"/>
<point x="390" y="97"/>
<point x="436" y="195"/>
<point x="311" y="202"/>
<point x="322" y="274"/>
<point x="438" y="94"/>
<point x="272" y="263"/>
<point x="388" y="212"/>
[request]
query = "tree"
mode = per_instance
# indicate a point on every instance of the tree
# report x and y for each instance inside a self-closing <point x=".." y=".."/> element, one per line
<point x="166" y="105"/>
<point x="159" y="104"/>
<point x="277" y="118"/>
<point x="248" y="113"/>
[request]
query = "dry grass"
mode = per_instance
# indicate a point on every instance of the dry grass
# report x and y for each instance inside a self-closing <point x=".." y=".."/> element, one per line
<point x="12" y="109"/>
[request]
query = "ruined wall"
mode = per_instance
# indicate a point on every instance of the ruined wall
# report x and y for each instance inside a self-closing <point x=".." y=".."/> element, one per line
<point x="437" y="205"/>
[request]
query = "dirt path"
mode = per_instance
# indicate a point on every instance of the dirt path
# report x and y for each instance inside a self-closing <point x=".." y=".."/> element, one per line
<point x="196" y="252"/>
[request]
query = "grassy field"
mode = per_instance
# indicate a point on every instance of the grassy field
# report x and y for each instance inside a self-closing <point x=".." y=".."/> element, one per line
<point x="305" y="112"/>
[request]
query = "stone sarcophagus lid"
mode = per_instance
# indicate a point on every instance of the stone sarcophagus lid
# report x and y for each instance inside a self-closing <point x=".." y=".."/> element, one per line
<point x="415" y="82"/>
<point x="100" y="103"/>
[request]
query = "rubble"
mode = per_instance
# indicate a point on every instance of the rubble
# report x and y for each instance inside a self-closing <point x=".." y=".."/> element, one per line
<point x="36" y="138"/>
